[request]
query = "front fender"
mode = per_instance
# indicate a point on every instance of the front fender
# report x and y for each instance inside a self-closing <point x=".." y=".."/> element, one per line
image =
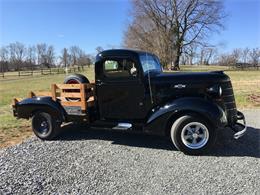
<point x="159" y="117"/>
<point x="26" y="107"/>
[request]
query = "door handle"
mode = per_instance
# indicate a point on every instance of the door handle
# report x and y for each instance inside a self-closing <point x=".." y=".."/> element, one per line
<point x="179" y="86"/>
<point x="99" y="82"/>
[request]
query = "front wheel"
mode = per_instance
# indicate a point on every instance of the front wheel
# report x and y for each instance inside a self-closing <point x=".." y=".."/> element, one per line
<point x="192" y="134"/>
<point x="45" y="126"/>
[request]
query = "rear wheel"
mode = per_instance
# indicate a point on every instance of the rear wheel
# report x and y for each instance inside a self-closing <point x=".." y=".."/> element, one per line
<point x="45" y="126"/>
<point x="74" y="79"/>
<point x="192" y="134"/>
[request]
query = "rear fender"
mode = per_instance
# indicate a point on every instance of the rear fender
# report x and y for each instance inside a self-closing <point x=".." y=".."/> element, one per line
<point x="27" y="107"/>
<point x="157" y="121"/>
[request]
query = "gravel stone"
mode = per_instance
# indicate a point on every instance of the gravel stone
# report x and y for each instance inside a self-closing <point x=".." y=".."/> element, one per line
<point x="85" y="161"/>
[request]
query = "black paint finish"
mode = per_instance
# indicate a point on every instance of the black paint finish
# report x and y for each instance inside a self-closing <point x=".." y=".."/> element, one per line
<point x="28" y="106"/>
<point x="150" y="107"/>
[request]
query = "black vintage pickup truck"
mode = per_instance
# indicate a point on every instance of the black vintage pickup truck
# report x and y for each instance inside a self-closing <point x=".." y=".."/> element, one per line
<point x="133" y="93"/>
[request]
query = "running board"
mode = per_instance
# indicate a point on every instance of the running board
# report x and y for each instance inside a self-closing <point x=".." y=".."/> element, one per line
<point x="123" y="126"/>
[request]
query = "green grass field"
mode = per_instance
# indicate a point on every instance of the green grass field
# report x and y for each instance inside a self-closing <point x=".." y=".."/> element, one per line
<point x="245" y="83"/>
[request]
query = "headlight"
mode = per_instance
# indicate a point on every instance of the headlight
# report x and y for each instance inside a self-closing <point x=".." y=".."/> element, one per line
<point x="215" y="90"/>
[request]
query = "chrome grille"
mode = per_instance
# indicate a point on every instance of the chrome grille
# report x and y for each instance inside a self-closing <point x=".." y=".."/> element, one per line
<point x="229" y="101"/>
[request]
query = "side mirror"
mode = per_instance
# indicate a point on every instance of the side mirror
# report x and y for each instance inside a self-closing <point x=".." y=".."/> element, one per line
<point x="133" y="72"/>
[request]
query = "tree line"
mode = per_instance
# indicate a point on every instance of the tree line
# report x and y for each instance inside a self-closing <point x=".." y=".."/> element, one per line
<point x="240" y="57"/>
<point x="17" y="56"/>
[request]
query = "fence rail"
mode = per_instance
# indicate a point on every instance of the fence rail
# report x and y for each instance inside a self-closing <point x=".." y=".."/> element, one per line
<point x="42" y="71"/>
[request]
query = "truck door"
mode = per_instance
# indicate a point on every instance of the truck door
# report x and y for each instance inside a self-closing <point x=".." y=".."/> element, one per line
<point x="120" y="90"/>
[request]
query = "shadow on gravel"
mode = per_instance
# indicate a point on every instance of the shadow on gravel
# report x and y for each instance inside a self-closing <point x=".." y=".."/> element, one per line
<point x="248" y="145"/>
<point x="75" y="132"/>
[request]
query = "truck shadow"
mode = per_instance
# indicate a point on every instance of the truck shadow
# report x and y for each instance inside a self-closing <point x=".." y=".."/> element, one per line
<point x="248" y="145"/>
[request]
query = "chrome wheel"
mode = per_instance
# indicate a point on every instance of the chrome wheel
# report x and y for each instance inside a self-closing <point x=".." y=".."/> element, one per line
<point x="44" y="128"/>
<point x="195" y="135"/>
<point x="41" y="125"/>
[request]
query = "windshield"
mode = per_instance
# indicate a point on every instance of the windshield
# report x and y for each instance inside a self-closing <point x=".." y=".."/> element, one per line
<point x="150" y="63"/>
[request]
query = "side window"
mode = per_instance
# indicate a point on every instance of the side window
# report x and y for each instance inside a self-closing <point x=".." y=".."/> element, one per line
<point x="120" y="68"/>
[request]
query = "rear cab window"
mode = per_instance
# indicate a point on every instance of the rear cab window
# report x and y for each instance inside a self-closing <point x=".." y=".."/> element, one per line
<point x="119" y="68"/>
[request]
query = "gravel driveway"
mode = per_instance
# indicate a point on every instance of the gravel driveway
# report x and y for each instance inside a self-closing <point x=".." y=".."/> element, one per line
<point x="106" y="162"/>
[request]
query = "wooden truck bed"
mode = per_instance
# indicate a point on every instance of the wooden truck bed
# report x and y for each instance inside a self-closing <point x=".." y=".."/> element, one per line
<point x="83" y="94"/>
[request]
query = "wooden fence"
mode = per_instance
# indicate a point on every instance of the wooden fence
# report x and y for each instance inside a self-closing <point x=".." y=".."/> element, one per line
<point x="42" y="71"/>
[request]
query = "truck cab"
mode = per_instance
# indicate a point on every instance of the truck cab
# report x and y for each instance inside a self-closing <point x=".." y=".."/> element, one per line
<point x="120" y="86"/>
<point x="133" y="93"/>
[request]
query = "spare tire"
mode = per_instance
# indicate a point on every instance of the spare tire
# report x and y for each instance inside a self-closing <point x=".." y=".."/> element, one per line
<point x="75" y="79"/>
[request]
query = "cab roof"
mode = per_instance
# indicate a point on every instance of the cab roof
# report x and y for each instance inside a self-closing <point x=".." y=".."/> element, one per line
<point x="120" y="52"/>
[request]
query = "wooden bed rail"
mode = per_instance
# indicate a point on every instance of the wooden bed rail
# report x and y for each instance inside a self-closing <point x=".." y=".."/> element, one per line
<point x="83" y="94"/>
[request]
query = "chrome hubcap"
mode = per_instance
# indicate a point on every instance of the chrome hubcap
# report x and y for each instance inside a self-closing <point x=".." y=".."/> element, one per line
<point x="44" y="127"/>
<point x="195" y="135"/>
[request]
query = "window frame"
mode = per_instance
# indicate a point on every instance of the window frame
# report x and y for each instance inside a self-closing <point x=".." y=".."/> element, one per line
<point x="120" y="78"/>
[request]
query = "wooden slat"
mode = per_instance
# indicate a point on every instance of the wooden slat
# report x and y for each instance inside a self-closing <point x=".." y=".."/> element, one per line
<point x="68" y="86"/>
<point x="75" y="86"/>
<point x="16" y="100"/>
<point x="83" y="97"/>
<point x="71" y="95"/>
<point x="53" y="92"/>
<point x="31" y="94"/>
<point x="71" y="103"/>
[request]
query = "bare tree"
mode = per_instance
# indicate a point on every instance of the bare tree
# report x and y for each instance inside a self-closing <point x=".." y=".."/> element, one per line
<point x="50" y="55"/>
<point x="31" y="55"/>
<point x="17" y="53"/>
<point x="245" y="54"/>
<point x="84" y="59"/>
<point x="236" y="55"/>
<point x="191" y="51"/>
<point x="226" y="60"/>
<point x="65" y="57"/>
<point x="4" y="57"/>
<point x="174" y="23"/>
<point x="41" y="49"/>
<point x="4" y="54"/>
<point x="255" y="56"/>
<point x="75" y="53"/>
<point x="207" y="54"/>
<point x="151" y="31"/>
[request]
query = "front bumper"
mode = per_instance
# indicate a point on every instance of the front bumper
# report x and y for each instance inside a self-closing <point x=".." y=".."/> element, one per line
<point x="239" y="128"/>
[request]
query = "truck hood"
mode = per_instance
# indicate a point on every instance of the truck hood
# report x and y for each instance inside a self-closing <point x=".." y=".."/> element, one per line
<point x="189" y="77"/>
<point x="168" y="86"/>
